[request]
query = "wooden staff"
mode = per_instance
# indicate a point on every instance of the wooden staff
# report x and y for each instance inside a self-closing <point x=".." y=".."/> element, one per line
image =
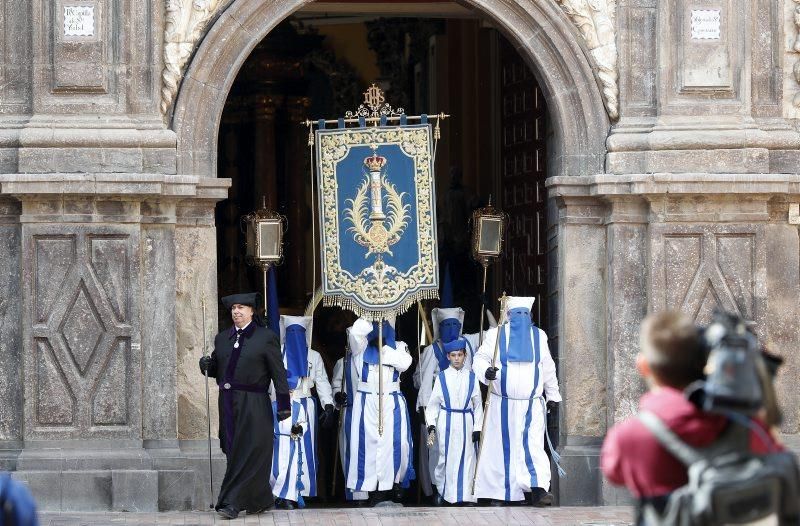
<point x="500" y="327"/>
<point x="339" y="427"/>
<point x="380" y="377"/>
<point x="485" y="264"/>
<point x="424" y="317"/>
<point x="208" y="410"/>
<point x="428" y="334"/>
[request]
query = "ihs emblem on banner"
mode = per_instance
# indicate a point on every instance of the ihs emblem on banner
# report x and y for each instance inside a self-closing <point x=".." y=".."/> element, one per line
<point x="371" y="231"/>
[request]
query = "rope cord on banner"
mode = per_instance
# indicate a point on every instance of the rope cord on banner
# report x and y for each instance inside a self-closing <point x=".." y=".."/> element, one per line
<point x="313" y="219"/>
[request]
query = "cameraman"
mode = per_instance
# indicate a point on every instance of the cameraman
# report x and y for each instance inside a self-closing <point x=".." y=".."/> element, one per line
<point x="672" y="356"/>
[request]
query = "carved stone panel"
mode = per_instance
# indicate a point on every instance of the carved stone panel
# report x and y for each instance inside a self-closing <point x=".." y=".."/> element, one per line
<point x="82" y="344"/>
<point x="700" y="267"/>
<point x="638" y="58"/>
<point x="703" y="46"/>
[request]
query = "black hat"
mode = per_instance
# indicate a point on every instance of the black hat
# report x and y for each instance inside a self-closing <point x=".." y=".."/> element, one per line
<point x="247" y="298"/>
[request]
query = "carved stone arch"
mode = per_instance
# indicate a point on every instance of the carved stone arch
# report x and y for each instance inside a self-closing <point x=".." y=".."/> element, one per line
<point x="541" y="30"/>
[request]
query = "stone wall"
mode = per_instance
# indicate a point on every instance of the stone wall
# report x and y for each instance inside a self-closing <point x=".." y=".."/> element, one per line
<point x="681" y="202"/>
<point x="644" y="243"/>
<point x="89" y="334"/>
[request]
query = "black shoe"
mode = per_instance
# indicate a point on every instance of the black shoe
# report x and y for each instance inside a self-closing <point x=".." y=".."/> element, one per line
<point x="494" y="503"/>
<point x="397" y="493"/>
<point x="540" y="498"/>
<point x="259" y="511"/>
<point x="228" y="513"/>
<point x="438" y="500"/>
<point x="375" y="497"/>
<point x="289" y="504"/>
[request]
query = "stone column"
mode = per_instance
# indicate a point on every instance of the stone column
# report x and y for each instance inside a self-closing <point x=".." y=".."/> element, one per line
<point x="297" y="257"/>
<point x="582" y="343"/>
<point x="195" y="282"/>
<point x="626" y="254"/>
<point x="626" y="300"/>
<point x="265" y="166"/>
<point x="231" y="258"/>
<point x="781" y="335"/>
<point x="159" y="398"/>
<point x="11" y="353"/>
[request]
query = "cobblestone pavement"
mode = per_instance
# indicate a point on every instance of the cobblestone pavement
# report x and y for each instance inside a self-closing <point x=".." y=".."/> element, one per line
<point x="606" y="516"/>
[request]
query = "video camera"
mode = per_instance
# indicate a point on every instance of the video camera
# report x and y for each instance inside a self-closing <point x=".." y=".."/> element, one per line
<point x="732" y="380"/>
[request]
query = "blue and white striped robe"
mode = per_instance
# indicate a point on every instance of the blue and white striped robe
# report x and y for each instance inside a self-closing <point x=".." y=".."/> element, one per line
<point x="344" y="380"/>
<point x="427" y="371"/>
<point x="517" y="417"/>
<point x="286" y="454"/>
<point x="376" y="461"/>
<point x="317" y="377"/>
<point x="455" y="408"/>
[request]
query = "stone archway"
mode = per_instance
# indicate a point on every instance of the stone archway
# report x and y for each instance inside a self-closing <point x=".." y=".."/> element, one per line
<point x="541" y="30"/>
<point x="565" y="60"/>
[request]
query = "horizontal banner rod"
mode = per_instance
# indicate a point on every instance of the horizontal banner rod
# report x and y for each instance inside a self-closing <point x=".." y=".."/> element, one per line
<point x="439" y="116"/>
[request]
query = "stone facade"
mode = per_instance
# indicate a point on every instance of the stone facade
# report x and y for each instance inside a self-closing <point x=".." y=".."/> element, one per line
<point x="673" y="167"/>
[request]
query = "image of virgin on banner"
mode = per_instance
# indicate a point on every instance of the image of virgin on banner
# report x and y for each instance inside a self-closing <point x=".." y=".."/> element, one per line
<point x="377" y="218"/>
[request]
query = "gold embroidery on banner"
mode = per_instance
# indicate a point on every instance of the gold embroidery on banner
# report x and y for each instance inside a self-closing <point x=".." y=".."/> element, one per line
<point x="379" y="288"/>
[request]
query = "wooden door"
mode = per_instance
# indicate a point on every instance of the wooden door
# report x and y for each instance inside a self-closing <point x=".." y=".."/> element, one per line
<point x="522" y="153"/>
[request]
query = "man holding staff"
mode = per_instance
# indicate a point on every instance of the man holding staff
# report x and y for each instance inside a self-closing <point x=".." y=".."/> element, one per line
<point x="246" y="359"/>
<point x="521" y="376"/>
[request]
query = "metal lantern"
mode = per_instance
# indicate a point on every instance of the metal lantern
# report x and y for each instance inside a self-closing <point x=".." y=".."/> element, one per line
<point x="488" y="228"/>
<point x="264" y="231"/>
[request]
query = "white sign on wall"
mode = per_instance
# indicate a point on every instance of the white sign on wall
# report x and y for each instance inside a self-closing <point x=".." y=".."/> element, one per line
<point x="706" y="24"/>
<point x="78" y="21"/>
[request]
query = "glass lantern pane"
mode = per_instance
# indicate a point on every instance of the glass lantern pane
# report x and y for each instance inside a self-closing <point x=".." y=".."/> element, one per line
<point x="269" y="240"/>
<point x="490" y="231"/>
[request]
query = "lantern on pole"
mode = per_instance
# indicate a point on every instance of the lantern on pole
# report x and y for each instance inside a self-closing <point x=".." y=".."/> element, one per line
<point x="264" y="230"/>
<point x="488" y="229"/>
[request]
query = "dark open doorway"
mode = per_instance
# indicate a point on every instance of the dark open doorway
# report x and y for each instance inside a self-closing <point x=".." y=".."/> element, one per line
<point x="316" y="64"/>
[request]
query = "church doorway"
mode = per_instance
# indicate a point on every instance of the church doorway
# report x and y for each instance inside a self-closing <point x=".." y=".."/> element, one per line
<point x="437" y="57"/>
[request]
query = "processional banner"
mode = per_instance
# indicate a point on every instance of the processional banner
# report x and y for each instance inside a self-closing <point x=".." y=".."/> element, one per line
<point x="377" y="217"/>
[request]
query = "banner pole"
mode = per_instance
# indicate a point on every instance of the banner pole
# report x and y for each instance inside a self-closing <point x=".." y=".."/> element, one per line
<point x="483" y="299"/>
<point x="380" y="377"/>
<point x="489" y="392"/>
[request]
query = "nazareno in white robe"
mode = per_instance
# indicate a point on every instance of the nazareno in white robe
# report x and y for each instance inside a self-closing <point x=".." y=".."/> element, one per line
<point x="515" y="460"/>
<point x="428" y="370"/>
<point x="317" y="377"/>
<point x="288" y="455"/>
<point x="455" y="408"/>
<point x="376" y="461"/>
<point x="346" y="384"/>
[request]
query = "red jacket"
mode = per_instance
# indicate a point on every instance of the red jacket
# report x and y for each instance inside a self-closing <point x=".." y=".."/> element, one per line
<point x="633" y="457"/>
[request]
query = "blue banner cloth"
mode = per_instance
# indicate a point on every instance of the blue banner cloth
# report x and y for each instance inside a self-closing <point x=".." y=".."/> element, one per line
<point x="377" y="218"/>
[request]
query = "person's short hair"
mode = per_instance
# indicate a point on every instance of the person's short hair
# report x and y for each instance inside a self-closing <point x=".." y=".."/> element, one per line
<point x="672" y="346"/>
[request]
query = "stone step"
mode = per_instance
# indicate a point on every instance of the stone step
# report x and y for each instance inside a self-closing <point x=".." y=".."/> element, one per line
<point x="99" y="490"/>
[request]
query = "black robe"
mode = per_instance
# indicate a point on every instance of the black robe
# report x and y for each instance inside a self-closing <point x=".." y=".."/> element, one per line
<point x="245" y="410"/>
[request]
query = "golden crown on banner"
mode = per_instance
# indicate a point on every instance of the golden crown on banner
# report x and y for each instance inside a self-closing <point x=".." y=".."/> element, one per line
<point x="375" y="162"/>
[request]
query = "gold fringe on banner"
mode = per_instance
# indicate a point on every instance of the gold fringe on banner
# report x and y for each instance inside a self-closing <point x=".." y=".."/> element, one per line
<point x="376" y="315"/>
